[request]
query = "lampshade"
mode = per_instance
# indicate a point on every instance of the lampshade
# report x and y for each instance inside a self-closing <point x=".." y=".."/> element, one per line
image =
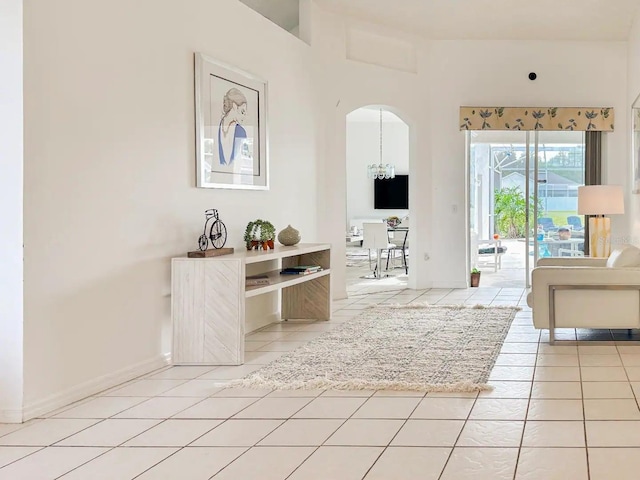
<point x="600" y="200"/>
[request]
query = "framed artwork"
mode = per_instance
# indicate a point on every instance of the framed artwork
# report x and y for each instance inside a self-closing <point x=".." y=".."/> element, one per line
<point x="231" y="128"/>
<point x="635" y="144"/>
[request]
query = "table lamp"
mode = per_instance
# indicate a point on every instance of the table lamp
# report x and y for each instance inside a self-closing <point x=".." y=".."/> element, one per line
<point x="598" y="201"/>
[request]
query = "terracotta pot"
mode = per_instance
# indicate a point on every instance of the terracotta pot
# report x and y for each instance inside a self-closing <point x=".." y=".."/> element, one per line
<point x="475" y="279"/>
<point x="265" y="245"/>
<point x="255" y="244"/>
<point x="270" y="244"/>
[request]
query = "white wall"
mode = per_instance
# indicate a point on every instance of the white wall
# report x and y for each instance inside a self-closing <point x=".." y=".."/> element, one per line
<point x="451" y="74"/>
<point x="495" y="73"/>
<point x="633" y="60"/>
<point x="109" y="158"/>
<point x="363" y="148"/>
<point x="110" y="191"/>
<point x="11" y="173"/>
<point x="353" y="85"/>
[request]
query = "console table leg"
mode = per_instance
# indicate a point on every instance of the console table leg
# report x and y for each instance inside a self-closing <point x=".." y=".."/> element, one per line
<point x="309" y="300"/>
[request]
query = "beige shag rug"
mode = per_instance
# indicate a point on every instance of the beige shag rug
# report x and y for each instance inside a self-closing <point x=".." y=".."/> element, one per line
<point x="397" y="347"/>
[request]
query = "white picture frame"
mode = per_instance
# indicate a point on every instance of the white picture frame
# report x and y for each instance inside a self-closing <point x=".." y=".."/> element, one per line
<point x="231" y="127"/>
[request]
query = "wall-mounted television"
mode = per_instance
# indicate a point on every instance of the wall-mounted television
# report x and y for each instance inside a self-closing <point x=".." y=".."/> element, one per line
<point x="391" y="193"/>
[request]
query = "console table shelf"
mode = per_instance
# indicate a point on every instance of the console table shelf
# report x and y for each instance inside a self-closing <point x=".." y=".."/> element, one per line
<point x="278" y="281"/>
<point x="209" y="295"/>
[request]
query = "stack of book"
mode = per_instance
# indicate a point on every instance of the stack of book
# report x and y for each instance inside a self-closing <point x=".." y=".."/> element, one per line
<point x="301" y="270"/>
<point x="257" y="280"/>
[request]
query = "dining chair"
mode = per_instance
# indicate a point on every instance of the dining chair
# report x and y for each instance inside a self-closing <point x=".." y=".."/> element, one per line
<point x="375" y="237"/>
<point x="401" y="241"/>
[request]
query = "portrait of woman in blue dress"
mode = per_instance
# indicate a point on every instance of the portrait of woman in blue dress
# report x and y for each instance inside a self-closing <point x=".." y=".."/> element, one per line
<point x="231" y="133"/>
<point x="231" y="137"/>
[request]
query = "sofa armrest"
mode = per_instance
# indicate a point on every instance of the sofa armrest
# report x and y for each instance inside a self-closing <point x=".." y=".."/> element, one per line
<point x="546" y="276"/>
<point x="600" y="307"/>
<point x="572" y="262"/>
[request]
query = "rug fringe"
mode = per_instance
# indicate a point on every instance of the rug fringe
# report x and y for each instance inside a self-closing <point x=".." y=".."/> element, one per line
<point x="499" y="307"/>
<point x="477" y="306"/>
<point x="257" y="382"/>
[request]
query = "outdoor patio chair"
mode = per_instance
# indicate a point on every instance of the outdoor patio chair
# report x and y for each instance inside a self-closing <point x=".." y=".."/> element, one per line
<point x="547" y="224"/>
<point x="568" y="252"/>
<point x="575" y="222"/>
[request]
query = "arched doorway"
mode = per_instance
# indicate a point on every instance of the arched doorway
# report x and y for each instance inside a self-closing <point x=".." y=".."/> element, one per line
<point x="375" y="135"/>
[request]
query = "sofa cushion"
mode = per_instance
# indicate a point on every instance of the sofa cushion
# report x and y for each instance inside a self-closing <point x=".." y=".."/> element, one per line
<point x="624" y="256"/>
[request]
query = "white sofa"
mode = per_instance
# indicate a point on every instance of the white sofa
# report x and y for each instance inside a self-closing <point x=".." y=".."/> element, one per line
<point x="583" y="292"/>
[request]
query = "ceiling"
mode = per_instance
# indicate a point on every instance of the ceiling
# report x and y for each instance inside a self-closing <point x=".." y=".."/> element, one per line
<point x="281" y="12"/>
<point x="477" y="19"/>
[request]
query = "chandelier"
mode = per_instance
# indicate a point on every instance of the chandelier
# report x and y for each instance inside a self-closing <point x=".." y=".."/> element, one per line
<point x="381" y="170"/>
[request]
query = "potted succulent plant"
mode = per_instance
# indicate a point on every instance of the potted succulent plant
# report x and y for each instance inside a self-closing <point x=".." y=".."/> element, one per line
<point x="259" y="233"/>
<point x="250" y="235"/>
<point x="475" y="277"/>
<point x="267" y="234"/>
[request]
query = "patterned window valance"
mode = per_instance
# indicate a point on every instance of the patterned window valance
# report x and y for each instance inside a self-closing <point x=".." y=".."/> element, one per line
<point x="536" y="118"/>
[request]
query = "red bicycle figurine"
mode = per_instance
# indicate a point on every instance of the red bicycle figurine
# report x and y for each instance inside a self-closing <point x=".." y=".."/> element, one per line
<point x="217" y="231"/>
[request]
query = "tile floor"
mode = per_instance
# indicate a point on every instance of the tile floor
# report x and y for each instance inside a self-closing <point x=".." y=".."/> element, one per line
<point x="565" y="412"/>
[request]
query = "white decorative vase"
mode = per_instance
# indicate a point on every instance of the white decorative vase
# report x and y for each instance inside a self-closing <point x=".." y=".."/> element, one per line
<point x="289" y="236"/>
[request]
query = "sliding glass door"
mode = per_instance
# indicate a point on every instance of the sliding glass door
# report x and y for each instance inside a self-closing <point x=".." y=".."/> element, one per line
<point x="523" y="201"/>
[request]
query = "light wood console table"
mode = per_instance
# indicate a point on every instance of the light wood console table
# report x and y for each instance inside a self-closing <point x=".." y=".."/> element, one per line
<point x="208" y="298"/>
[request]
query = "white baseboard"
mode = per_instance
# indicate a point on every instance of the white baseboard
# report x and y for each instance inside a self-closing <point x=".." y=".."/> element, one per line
<point x="96" y="385"/>
<point x="252" y="324"/>
<point x="340" y="294"/>
<point x="420" y="286"/>
<point x="449" y="285"/>
<point x="10" y="416"/>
